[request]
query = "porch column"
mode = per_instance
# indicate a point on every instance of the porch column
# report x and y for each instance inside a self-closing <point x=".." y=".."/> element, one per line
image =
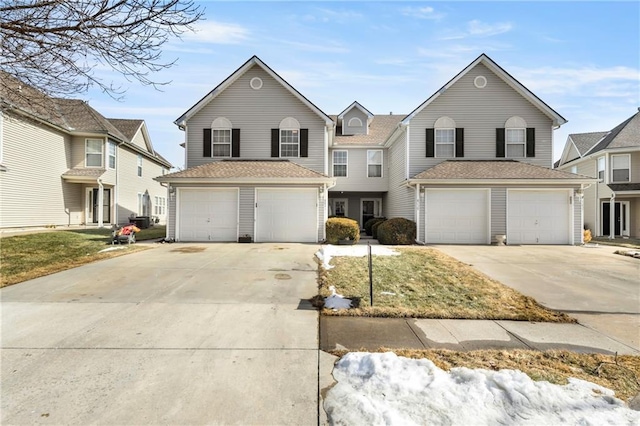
<point x="612" y="217"/>
<point x="100" y="204"/>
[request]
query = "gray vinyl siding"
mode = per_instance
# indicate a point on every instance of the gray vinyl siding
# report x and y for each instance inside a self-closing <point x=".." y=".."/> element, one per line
<point x="498" y="212"/>
<point x="354" y="202"/>
<point x="255" y="113"/>
<point x="32" y="192"/>
<point x="577" y="221"/>
<point x="354" y="130"/>
<point x="635" y="167"/>
<point x="357" y="179"/>
<point x="400" y="199"/>
<point x="479" y="112"/>
<point x="573" y="153"/>
<point x="246" y="207"/>
<point x="422" y="219"/>
<point x="171" y="216"/>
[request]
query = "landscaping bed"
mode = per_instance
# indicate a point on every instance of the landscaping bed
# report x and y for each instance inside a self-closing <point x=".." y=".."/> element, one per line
<point x="424" y="283"/>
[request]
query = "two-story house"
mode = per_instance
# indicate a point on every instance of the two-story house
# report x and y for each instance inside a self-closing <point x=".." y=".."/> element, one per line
<point x="470" y="163"/>
<point x="612" y="205"/>
<point x="62" y="163"/>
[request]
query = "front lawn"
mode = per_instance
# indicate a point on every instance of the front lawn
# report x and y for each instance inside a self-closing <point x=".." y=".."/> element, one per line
<point x="425" y="283"/>
<point x="631" y="243"/>
<point x="25" y="257"/>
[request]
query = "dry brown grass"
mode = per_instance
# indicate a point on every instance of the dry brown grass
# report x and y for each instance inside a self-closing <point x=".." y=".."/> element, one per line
<point x="619" y="374"/>
<point x="428" y="284"/>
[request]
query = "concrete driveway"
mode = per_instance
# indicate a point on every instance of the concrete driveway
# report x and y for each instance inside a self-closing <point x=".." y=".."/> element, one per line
<point x="599" y="288"/>
<point x="180" y="334"/>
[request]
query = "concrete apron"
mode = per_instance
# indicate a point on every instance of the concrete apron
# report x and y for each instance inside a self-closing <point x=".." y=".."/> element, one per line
<point x="181" y="334"/>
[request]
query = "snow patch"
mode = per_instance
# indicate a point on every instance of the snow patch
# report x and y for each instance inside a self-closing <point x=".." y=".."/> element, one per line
<point x="336" y="301"/>
<point x="112" y="249"/>
<point x="376" y="389"/>
<point x="329" y="251"/>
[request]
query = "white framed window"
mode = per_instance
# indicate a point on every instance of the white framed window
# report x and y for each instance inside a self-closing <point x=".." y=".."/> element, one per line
<point x="374" y="163"/>
<point x="139" y="165"/>
<point x="574" y="169"/>
<point x="445" y="143"/>
<point x="221" y="137"/>
<point x="601" y="168"/>
<point x="156" y="205"/>
<point x="159" y="207"/>
<point x="112" y="155"/>
<point x="289" y="138"/>
<point x="355" y="122"/>
<point x="93" y="153"/>
<point x="140" y="204"/>
<point x="340" y="160"/>
<point x="339" y="207"/>
<point x="620" y="168"/>
<point x="515" y="142"/>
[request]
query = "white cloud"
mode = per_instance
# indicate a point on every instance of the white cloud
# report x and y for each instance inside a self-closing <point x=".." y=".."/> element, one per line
<point x="479" y="29"/>
<point x="426" y="12"/>
<point x="336" y="16"/>
<point x="211" y="32"/>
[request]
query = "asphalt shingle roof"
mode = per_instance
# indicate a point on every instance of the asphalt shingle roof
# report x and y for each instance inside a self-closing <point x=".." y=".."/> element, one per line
<point x="585" y="141"/>
<point x="624" y="186"/>
<point x="94" y="173"/>
<point x="624" y="135"/>
<point x="380" y="129"/>
<point x="127" y="127"/>
<point x="228" y="169"/>
<point x="492" y="169"/>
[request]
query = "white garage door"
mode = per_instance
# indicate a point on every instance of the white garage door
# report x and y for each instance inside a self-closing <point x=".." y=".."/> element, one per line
<point x="457" y="216"/>
<point x="287" y="215"/>
<point x="538" y="217"/>
<point x="208" y="214"/>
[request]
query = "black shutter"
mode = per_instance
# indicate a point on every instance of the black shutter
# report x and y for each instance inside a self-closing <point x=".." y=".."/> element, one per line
<point x="430" y="146"/>
<point x="206" y="143"/>
<point x="275" y="143"/>
<point x="460" y="142"/>
<point x="500" y="143"/>
<point x="235" y="142"/>
<point x="531" y="142"/>
<point x="304" y="142"/>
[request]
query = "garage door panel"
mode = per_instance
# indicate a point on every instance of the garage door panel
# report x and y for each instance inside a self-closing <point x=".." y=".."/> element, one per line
<point x="538" y="217"/>
<point x="208" y="215"/>
<point x="457" y="217"/>
<point x="287" y="215"/>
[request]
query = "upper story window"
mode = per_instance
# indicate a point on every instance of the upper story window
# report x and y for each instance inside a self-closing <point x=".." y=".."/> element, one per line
<point x="374" y="163"/>
<point x="445" y="137"/>
<point x="112" y="155"/>
<point x="515" y="137"/>
<point x="574" y="169"/>
<point x="354" y="122"/>
<point x="93" y="153"/>
<point x="139" y="165"/>
<point x="221" y="137"/>
<point x="340" y="159"/>
<point x="620" y="168"/>
<point x="601" y="168"/>
<point x="290" y="138"/>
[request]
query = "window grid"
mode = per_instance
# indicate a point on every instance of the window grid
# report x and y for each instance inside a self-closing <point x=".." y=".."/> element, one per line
<point x="515" y="143"/>
<point x="340" y="163"/>
<point x="374" y="163"/>
<point x="289" y="143"/>
<point x="221" y="143"/>
<point x="445" y="143"/>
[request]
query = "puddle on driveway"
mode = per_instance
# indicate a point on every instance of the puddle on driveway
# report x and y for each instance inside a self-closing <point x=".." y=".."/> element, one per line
<point x="283" y="276"/>
<point x="191" y="249"/>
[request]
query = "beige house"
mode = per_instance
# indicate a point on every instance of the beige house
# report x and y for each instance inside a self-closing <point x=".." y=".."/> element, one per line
<point x="470" y="164"/>
<point x="62" y="163"/>
<point x="612" y="205"/>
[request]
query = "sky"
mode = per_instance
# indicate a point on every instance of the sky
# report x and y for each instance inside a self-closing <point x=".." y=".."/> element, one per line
<point x="581" y="58"/>
<point x="382" y="388"/>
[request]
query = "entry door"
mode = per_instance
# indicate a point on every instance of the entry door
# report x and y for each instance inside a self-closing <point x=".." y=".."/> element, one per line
<point x="370" y="208"/>
<point x="621" y="215"/>
<point x="106" y="205"/>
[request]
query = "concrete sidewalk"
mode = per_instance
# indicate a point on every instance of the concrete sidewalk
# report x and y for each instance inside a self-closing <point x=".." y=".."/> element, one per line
<point x="358" y="333"/>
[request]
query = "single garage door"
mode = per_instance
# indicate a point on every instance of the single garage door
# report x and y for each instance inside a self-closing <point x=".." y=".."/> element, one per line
<point x="538" y="217"/>
<point x="208" y="214"/>
<point x="457" y="216"/>
<point x="287" y="215"/>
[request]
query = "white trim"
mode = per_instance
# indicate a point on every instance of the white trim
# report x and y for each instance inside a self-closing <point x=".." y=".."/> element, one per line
<point x="355" y="104"/>
<point x="604" y="170"/>
<point x="627" y="223"/>
<point x="376" y="214"/>
<point x="629" y="168"/>
<point x="346" y="206"/>
<point x="256" y="83"/>
<point x="229" y="144"/>
<point x="333" y="163"/>
<point x="436" y="143"/>
<point x="406" y="154"/>
<point x="267" y="188"/>
<point x="221" y="123"/>
<point x="359" y="124"/>
<point x="376" y="164"/>
<point x="178" y="206"/>
<point x="115" y="155"/>
<point x="94" y="153"/>
<point x="480" y="81"/>
<point x="487" y="192"/>
<point x="139" y="166"/>
<point x="563" y="182"/>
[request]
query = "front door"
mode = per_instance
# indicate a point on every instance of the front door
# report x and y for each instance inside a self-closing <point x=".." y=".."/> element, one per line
<point x="106" y="205"/>
<point x="620" y="218"/>
<point x="370" y="208"/>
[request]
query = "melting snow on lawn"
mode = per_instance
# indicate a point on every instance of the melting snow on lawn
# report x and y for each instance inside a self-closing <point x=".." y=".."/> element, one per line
<point x="375" y="388"/>
<point x="329" y="251"/>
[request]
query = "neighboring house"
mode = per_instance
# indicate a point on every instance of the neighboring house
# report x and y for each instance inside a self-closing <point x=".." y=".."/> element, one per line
<point x="612" y="205"/>
<point x="62" y="163"/>
<point x="472" y="162"/>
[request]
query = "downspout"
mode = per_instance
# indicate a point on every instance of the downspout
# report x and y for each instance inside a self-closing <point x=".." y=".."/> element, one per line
<point x="417" y="208"/>
<point x="100" y="204"/>
<point x="612" y="217"/>
<point x="167" y="215"/>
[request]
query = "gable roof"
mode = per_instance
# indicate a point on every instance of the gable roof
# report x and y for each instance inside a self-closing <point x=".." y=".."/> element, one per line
<point x="127" y="127"/>
<point x="356" y="104"/>
<point x="82" y="118"/>
<point x="254" y="60"/>
<point x="248" y="171"/>
<point x="624" y="135"/>
<point x="585" y="141"/>
<point x="557" y="119"/>
<point x="465" y="170"/>
<point x="380" y="128"/>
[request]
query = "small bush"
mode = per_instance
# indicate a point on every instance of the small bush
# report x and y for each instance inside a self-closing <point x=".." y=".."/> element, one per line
<point x="369" y="224"/>
<point x="587" y="235"/>
<point x="374" y="228"/>
<point x="397" y="231"/>
<point x="342" y="228"/>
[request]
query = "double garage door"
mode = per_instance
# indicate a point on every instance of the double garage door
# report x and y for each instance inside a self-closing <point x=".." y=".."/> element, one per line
<point x="464" y="216"/>
<point x="281" y="214"/>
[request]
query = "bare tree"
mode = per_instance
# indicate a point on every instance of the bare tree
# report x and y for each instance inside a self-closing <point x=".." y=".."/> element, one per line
<point x="57" y="46"/>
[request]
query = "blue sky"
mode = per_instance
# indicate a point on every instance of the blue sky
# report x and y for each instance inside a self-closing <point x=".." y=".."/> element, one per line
<point x="582" y="58"/>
